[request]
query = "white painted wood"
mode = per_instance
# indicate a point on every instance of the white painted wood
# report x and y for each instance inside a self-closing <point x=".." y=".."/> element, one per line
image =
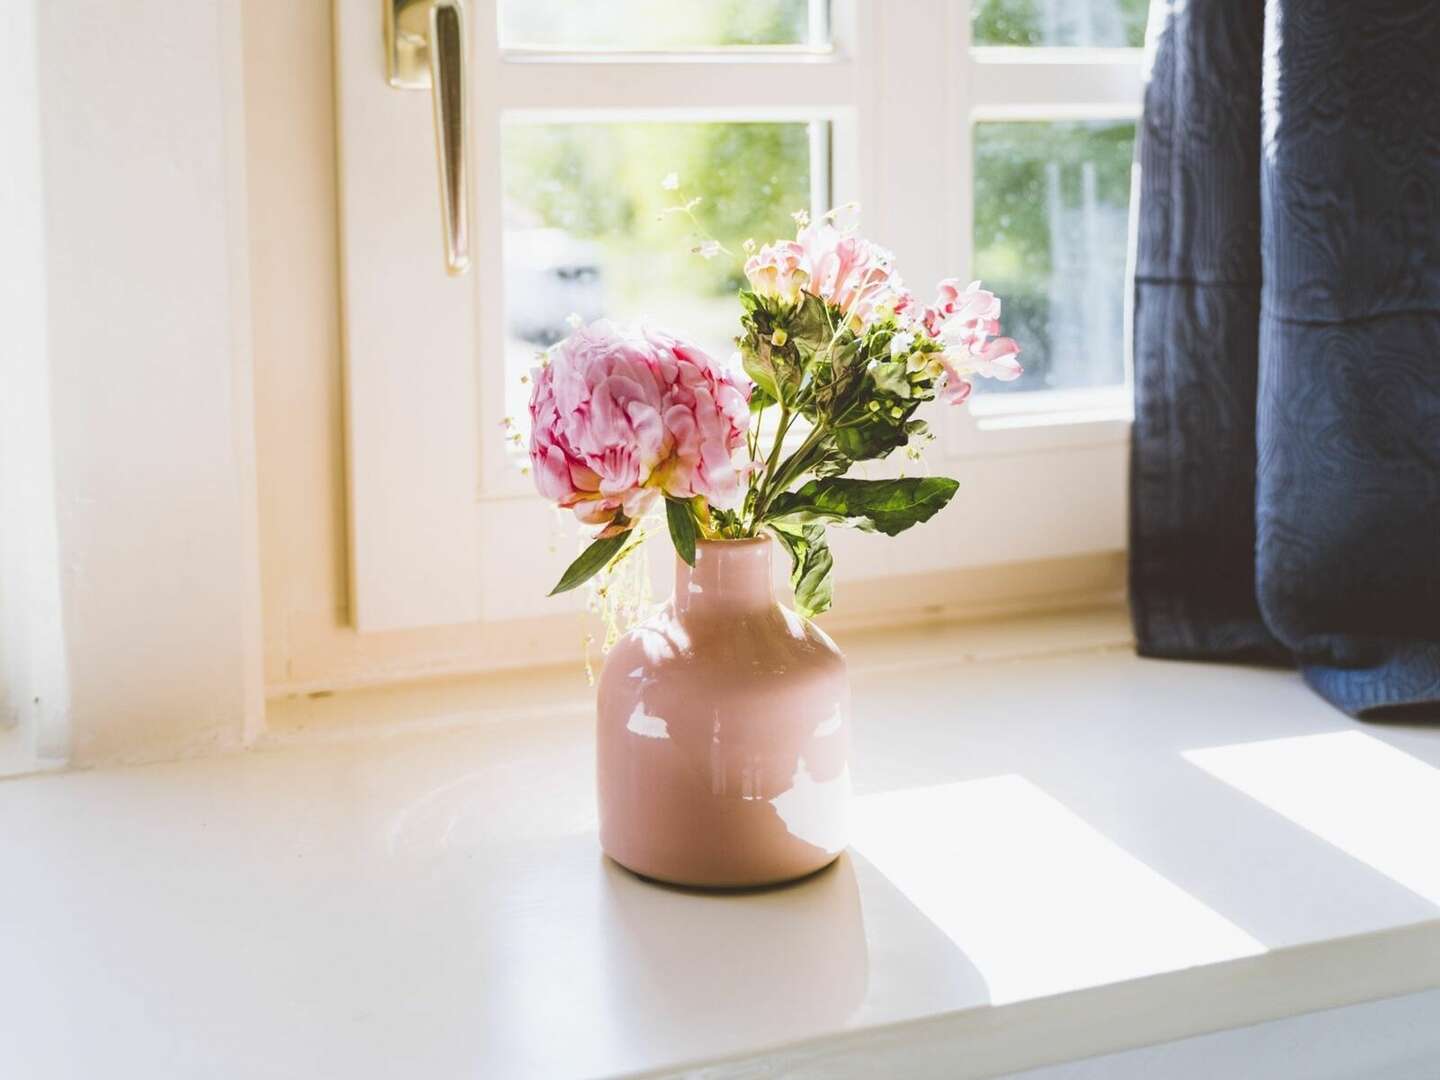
<point x="34" y="707"/>
<point x="416" y="887"/>
<point x="144" y="348"/>
<point x="1055" y="82"/>
<point x="711" y="83"/>
<point x="1394" y="1039"/>
<point x="409" y="337"/>
<point x="1074" y="504"/>
<point x="425" y="363"/>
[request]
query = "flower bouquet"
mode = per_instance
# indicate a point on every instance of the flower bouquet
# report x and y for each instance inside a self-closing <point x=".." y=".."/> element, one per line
<point x="837" y="357"/>
<point x="723" y="718"/>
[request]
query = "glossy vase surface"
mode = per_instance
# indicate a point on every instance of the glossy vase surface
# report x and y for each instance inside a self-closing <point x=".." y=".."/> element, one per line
<point x="724" y="732"/>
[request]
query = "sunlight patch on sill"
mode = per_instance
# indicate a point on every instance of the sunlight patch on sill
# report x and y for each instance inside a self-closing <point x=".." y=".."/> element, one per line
<point x="1375" y="803"/>
<point x="1039" y="901"/>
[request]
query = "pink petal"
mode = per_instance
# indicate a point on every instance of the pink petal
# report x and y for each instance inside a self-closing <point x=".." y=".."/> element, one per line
<point x="998" y="360"/>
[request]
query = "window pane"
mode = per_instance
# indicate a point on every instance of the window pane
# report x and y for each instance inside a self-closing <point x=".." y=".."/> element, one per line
<point x="1051" y="220"/>
<point x="1096" y="23"/>
<point x="586" y="231"/>
<point x="662" y="24"/>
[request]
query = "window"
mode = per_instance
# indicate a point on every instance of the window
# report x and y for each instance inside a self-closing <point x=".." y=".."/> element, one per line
<point x="982" y="138"/>
<point x="659" y="25"/>
<point x="1051" y="221"/>
<point x="587" y="231"/>
<point x="1102" y="23"/>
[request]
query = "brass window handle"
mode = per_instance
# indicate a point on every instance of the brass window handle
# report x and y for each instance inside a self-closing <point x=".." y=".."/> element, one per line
<point x="425" y="50"/>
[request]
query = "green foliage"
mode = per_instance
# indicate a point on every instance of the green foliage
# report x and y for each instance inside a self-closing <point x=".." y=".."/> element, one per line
<point x="591" y="561"/>
<point x="681" y="518"/>
<point x="653" y="24"/>
<point x="871" y="436"/>
<point x="1022" y="170"/>
<point x="886" y="506"/>
<point x="758" y="361"/>
<point x="786" y="366"/>
<point x="1018" y="22"/>
<point x="891" y="379"/>
<point x="810" y="565"/>
<point x="811" y="326"/>
<point x="601" y="182"/>
<point x="760" y="398"/>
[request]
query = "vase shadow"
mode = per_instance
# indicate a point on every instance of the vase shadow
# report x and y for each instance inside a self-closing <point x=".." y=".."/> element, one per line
<point x="699" y="968"/>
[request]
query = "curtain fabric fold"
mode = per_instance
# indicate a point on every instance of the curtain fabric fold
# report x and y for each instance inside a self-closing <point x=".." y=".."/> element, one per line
<point x="1285" y="479"/>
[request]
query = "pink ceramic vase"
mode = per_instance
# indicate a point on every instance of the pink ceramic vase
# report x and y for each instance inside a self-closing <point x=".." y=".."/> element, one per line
<point x="724" y="732"/>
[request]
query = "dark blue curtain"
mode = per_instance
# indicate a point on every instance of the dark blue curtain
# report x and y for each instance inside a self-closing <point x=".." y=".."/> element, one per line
<point x="1285" y="479"/>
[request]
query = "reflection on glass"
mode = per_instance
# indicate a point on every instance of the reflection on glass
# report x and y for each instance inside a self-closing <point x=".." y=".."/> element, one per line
<point x="586" y="233"/>
<point x="1095" y="23"/>
<point x="1038" y="900"/>
<point x="1372" y="801"/>
<point x="1051" y="221"/>
<point x="662" y="24"/>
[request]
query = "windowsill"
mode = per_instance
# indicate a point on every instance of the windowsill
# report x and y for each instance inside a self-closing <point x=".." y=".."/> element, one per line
<point x="1048" y="865"/>
<point x="15" y="756"/>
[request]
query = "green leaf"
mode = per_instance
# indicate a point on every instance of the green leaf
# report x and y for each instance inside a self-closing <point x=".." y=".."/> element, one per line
<point x="681" y="520"/>
<point x="887" y="506"/>
<point x="873" y="436"/>
<point x="591" y="561"/>
<point x="892" y="378"/>
<point x="760" y="366"/>
<point x="810" y="567"/>
<point x="810" y="323"/>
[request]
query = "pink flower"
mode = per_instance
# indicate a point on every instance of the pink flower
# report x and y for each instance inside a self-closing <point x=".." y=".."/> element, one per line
<point x="964" y="320"/>
<point x="997" y="359"/>
<point x="621" y="414"/>
<point x="973" y="306"/>
<point x="956" y="390"/>
<point x="778" y="270"/>
<point x="849" y="272"/>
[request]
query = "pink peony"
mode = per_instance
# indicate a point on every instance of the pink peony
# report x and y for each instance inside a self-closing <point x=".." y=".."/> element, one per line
<point x="621" y="414"/>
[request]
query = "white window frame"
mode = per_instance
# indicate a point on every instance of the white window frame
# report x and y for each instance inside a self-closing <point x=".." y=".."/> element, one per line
<point x="901" y="88"/>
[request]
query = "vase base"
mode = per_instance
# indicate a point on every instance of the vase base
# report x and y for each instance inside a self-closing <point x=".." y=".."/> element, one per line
<point x="738" y="883"/>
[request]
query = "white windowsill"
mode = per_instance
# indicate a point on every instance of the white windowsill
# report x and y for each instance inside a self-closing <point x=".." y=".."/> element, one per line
<point x="406" y="882"/>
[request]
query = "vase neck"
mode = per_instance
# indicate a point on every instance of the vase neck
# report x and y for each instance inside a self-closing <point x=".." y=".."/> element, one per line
<point x="729" y="576"/>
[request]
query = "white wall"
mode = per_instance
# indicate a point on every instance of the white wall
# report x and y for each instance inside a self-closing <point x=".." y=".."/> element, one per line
<point x="135" y="319"/>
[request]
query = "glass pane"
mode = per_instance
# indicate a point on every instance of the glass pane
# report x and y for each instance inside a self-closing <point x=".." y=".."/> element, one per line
<point x="1051" y="220"/>
<point x="662" y="24"/>
<point x="587" y="231"/>
<point x="1096" y="23"/>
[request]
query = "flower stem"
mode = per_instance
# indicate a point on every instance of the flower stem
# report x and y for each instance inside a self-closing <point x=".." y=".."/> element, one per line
<point x="793" y="468"/>
<point x="763" y="498"/>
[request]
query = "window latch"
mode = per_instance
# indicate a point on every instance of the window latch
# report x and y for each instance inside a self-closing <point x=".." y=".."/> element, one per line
<point x="425" y="48"/>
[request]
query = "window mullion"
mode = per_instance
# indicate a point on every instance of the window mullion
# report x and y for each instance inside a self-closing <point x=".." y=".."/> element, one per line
<point x="497" y="471"/>
<point x="958" y="431"/>
<point x="1002" y="85"/>
<point x="716" y="84"/>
